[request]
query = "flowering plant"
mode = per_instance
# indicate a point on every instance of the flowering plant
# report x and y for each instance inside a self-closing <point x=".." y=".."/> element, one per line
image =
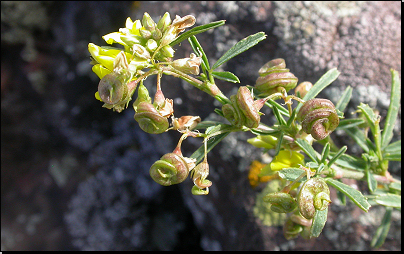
<point x="304" y="174"/>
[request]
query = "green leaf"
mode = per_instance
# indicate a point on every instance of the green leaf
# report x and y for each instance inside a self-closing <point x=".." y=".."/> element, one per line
<point x="391" y="200"/>
<point x="355" y="195"/>
<point x="372" y="183"/>
<point x="226" y="76"/>
<point x="199" y="51"/>
<point x="197" y="30"/>
<point x="359" y="137"/>
<point x="271" y="104"/>
<point x="240" y="47"/>
<point x="279" y="117"/>
<point x="382" y="230"/>
<point x="393" y="151"/>
<point x="319" y="220"/>
<point x="337" y="156"/>
<point x="350" y="162"/>
<point x="392" y="113"/>
<point x="212" y="142"/>
<point x="325" y="152"/>
<point x="370" y="116"/>
<point x="291" y="174"/>
<point x="322" y="83"/>
<point x="349" y="123"/>
<point x="344" y="100"/>
<point x="395" y="186"/>
<point x="308" y="149"/>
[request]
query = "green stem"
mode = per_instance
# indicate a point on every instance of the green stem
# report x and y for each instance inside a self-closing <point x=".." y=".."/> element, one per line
<point x="344" y="173"/>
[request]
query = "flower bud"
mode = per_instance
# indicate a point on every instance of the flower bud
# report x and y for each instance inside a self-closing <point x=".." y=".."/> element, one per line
<point x="148" y="23"/>
<point x="146" y="34"/>
<point x="281" y="202"/>
<point x="167" y="51"/>
<point x="188" y="65"/>
<point x="274" y="76"/>
<point x="186" y="123"/>
<point x="314" y="195"/>
<point x="302" y="89"/>
<point x="140" y="51"/>
<point x="318" y="117"/>
<point x="263" y="141"/>
<point x="151" y="45"/>
<point x="164" y="22"/>
<point x="156" y="34"/>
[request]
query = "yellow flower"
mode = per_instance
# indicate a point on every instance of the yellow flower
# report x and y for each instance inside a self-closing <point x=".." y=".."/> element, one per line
<point x="286" y="159"/>
<point x="253" y="177"/>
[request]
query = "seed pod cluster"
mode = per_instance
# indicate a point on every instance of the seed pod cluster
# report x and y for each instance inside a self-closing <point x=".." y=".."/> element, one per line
<point x="274" y="76"/>
<point x="318" y="117"/>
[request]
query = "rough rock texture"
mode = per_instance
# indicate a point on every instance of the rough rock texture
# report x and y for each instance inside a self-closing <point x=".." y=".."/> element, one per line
<point x="75" y="175"/>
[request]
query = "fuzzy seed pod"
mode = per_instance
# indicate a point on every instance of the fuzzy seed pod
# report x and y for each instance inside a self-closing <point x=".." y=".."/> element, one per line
<point x="281" y="202"/>
<point x="113" y="88"/>
<point x="314" y="195"/>
<point x="243" y="111"/>
<point x="170" y="169"/>
<point x="149" y="119"/>
<point x="274" y="75"/>
<point x="318" y="117"/>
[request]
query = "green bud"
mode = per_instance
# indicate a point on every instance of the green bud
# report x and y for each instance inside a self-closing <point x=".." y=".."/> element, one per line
<point x="164" y="22"/>
<point x="151" y="45"/>
<point x="156" y="34"/>
<point x="145" y="33"/>
<point x="167" y="51"/>
<point x="148" y="23"/>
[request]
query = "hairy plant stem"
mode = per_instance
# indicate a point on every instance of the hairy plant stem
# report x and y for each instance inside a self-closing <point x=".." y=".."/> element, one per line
<point x="345" y="173"/>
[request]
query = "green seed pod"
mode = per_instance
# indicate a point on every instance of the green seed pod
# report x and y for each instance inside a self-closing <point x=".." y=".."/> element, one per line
<point x="281" y="202"/>
<point x="314" y="195"/>
<point x="243" y="111"/>
<point x="149" y="119"/>
<point x="273" y="76"/>
<point x="295" y="225"/>
<point x="113" y="88"/>
<point x="318" y="117"/>
<point x="170" y="169"/>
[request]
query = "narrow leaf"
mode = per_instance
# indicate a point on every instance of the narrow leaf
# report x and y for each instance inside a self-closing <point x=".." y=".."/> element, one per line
<point x="308" y="149"/>
<point x="351" y="162"/>
<point x="344" y="100"/>
<point x="199" y="51"/>
<point x="392" y="113"/>
<point x="240" y="47"/>
<point x="370" y="115"/>
<point x="291" y="174"/>
<point x="271" y="103"/>
<point x="355" y="195"/>
<point x="325" y="152"/>
<point x="322" y="83"/>
<point x="319" y="220"/>
<point x="212" y="142"/>
<point x="349" y="123"/>
<point x="197" y="30"/>
<point x="337" y="155"/>
<point x="391" y="200"/>
<point x="359" y="137"/>
<point x="372" y="183"/>
<point x="382" y="230"/>
<point x="226" y="76"/>
<point x="393" y="151"/>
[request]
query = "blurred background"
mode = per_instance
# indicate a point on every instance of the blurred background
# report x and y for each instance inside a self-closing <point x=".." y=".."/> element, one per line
<point x="74" y="175"/>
